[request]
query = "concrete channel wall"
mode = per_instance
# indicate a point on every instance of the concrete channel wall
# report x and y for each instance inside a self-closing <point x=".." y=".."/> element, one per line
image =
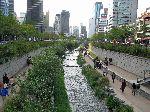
<point x="127" y="62"/>
<point x="16" y="64"/>
<point x="133" y="64"/>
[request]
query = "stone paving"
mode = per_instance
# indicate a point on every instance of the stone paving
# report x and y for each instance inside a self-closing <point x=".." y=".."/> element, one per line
<point x="81" y="96"/>
<point x="139" y="103"/>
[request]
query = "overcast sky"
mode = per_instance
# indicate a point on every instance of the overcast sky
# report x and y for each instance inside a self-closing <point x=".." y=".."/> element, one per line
<point x="80" y="10"/>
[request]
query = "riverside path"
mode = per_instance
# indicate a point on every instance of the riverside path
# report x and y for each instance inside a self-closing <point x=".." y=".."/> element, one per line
<point x="139" y="103"/>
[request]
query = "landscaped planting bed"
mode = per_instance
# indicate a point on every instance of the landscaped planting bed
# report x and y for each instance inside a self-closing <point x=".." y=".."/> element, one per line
<point x="135" y="50"/>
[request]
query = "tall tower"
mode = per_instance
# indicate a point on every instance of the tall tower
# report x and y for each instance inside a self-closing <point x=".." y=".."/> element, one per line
<point x="124" y="12"/>
<point x="46" y="22"/>
<point x="4" y="7"/>
<point x="65" y="15"/>
<point x="57" y="24"/>
<point x="35" y="13"/>
<point x="98" y="8"/>
<point x="11" y="7"/>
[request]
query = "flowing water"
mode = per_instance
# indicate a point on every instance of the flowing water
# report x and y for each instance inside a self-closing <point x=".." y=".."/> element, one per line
<point x="81" y="96"/>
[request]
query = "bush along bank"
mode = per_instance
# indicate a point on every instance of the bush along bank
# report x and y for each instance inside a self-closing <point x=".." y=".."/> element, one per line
<point x="19" y="48"/>
<point x="80" y="60"/>
<point x="135" y="50"/>
<point x="100" y="84"/>
<point x="44" y="89"/>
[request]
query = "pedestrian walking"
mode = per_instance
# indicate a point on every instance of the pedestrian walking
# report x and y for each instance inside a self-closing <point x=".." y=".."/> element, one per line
<point x="133" y="89"/>
<point x="123" y="85"/>
<point x="85" y="53"/>
<point x="5" y="79"/>
<point x="12" y="84"/>
<point x="105" y="71"/>
<point x="96" y="62"/>
<point x="113" y="77"/>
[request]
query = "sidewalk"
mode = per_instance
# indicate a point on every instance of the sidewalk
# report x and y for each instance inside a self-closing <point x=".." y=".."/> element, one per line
<point x="139" y="103"/>
<point x="20" y="72"/>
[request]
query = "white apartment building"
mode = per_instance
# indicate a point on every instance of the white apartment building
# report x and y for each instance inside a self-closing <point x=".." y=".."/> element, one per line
<point x="91" y="27"/>
<point x="103" y="23"/>
<point x="57" y="24"/>
<point x="124" y="12"/>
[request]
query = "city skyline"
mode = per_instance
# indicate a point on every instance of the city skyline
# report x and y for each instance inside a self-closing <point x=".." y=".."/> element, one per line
<point x="80" y="11"/>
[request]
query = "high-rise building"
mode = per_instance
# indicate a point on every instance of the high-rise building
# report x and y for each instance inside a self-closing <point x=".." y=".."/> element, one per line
<point x="76" y="31"/>
<point x="83" y="32"/>
<point x="124" y="12"/>
<point x="22" y="17"/>
<point x="70" y="30"/>
<point x="98" y="8"/>
<point x="57" y="24"/>
<point x="91" y="27"/>
<point x="4" y="7"/>
<point x="35" y="13"/>
<point x="11" y="7"/>
<point x="46" y="22"/>
<point x="64" y="21"/>
<point x="103" y="23"/>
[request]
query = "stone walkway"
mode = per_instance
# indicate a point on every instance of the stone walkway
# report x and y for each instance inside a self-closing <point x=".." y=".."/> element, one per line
<point x="139" y="103"/>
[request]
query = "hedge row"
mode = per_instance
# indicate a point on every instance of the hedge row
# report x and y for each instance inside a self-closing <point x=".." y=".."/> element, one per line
<point x="19" y="48"/>
<point x="136" y="50"/>
<point x="44" y="89"/>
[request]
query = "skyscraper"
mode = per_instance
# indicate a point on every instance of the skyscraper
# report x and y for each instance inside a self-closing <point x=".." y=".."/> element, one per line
<point x="76" y="31"/>
<point x="4" y="7"/>
<point x="65" y="15"/>
<point x="57" y="24"/>
<point x="35" y="13"/>
<point x="124" y="12"/>
<point x="46" y="22"/>
<point x="83" y="32"/>
<point x="98" y="8"/>
<point x="11" y="7"/>
<point x="91" y="27"/>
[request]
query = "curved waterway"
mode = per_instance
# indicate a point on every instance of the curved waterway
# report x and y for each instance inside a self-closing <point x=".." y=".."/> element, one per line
<point x="80" y="94"/>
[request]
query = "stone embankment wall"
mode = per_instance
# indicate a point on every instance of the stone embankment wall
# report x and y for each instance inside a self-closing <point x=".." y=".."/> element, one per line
<point x="16" y="64"/>
<point x="133" y="64"/>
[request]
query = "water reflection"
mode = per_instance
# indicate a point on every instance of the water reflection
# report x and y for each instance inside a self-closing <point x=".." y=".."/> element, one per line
<point x="80" y="94"/>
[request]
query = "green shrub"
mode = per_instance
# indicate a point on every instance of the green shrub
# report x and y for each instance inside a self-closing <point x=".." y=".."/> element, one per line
<point x="135" y="50"/>
<point x="43" y="83"/>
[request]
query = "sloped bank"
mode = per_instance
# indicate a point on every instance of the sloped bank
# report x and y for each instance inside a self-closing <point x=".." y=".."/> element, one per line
<point x="43" y="90"/>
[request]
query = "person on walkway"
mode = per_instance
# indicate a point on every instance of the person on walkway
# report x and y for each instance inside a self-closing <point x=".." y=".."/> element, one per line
<point x="113" y="77"/>
<point x="29" y="60"/>
<point x="105" y="71"/>
<point x="96" y="62"/>
<point x="85" y="53"/>
<point x="133" y="89"/>
<point x="5" y="79"/>
<point x="106" y="61"/>
<point x="123" y="85"/>
<point x="12" y="84"/>
<point x="4" y="92"/>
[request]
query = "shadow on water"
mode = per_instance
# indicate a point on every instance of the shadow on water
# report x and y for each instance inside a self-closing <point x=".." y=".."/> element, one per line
<point x="81" y="96"/>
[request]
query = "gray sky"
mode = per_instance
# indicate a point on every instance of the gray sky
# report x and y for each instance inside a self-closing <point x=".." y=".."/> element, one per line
<point x="80" y="10"/>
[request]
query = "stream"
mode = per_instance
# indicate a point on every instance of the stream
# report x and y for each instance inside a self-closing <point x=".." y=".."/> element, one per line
<point x="80" y="94"/>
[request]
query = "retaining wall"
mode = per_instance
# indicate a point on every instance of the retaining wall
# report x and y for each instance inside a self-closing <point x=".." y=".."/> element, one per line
<point x="133" y="64"/>
<point x="13" y="66"/>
